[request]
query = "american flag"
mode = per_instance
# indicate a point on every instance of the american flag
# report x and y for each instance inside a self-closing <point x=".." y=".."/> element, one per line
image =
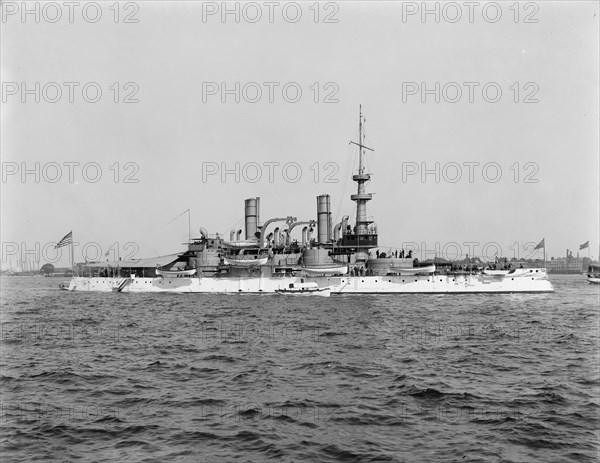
<point x="67" y="239"/>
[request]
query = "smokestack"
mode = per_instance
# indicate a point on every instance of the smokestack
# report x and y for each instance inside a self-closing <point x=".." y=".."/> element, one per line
<point x="324" y="227"/>
<point x="251" y="216"/>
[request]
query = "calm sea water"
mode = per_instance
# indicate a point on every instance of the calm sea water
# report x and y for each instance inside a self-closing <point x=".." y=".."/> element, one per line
<point x="192" y="377"/>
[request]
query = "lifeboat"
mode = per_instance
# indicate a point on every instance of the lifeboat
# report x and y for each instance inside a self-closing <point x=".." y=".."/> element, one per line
<point x="176" y="273"/>
<point x="246" y="261"/>
<point x="326" y="269"/>
<point x="413" y="270"/>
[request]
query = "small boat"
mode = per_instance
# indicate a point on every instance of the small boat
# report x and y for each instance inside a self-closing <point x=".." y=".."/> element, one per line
<point x="241" y="244"/>
<point x="413" y="270"/>
<point x="326" y="269"/>
<point x="305" y="289"/>
<point x="64" y="286"/>
<point x="176" y="273"/>
<point x="246" y="261"/>
<point x="593" y="275"/>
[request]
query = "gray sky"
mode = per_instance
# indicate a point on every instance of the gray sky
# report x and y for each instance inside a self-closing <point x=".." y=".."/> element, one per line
<point x="179" y="56"/>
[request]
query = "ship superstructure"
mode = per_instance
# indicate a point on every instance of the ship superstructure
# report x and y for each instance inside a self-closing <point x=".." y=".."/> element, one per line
<point x="337" y="259"/>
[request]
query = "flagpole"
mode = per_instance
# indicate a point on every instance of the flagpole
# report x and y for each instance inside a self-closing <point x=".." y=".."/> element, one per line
<point x="544" y="252"/>
<point x="72" y="256"/>
<point x="189" y="222"/>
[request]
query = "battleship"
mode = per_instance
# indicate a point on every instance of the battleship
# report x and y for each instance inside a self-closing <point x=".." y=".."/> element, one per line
<point x="339" y="259"/>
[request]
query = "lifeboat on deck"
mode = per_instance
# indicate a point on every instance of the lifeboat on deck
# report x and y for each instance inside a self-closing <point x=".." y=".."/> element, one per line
<point x="246" y="261"/>
<point x="176" y="273"/>
<point x="412" y="270"/>
<point x="335" y="269"/>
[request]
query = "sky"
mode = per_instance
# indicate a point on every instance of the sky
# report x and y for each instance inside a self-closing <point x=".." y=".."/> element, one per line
<point x="116" y="118"/>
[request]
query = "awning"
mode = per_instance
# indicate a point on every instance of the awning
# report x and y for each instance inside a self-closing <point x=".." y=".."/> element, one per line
<point x="138" y="263"/>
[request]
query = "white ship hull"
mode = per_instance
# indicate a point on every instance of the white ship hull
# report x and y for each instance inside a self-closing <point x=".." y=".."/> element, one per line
<point x="527" y="281"/>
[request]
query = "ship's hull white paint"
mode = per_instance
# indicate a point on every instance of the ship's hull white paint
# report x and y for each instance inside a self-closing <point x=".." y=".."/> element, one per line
<point x="524" y="282"/>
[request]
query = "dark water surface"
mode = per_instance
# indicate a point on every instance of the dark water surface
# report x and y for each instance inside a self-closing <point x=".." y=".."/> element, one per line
<point x="193" y="377"/>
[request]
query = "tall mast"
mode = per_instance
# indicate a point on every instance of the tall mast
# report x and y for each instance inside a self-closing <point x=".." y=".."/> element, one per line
<point x="360" y="141"/>
<point x="361" y="198"/>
